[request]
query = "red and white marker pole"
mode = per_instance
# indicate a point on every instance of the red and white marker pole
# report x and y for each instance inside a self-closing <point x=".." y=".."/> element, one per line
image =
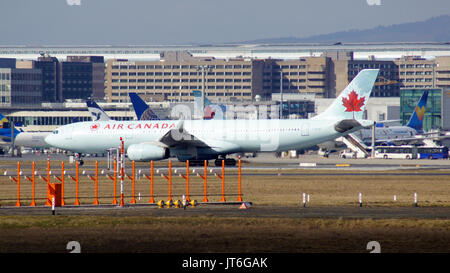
<point x="122" y="173"/>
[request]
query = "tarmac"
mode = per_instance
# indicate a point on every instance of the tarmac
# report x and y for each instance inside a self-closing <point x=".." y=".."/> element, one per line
<point x="233" y="209"/>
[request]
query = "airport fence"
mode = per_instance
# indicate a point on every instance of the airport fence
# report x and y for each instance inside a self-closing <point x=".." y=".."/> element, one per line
<point x="163" y="186"/>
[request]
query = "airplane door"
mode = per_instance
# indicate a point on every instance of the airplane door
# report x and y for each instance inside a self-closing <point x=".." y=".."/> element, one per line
<point x="305" y="129"/>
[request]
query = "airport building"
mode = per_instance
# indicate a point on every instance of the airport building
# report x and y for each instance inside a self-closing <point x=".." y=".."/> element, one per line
<point x="309" y="75"/>
<point x="79" y="77"/>
<point x="418" y="72"/>
<point x="177" y="74"/>
<point x="20" y="87"/>
<point x="345" y="67"/>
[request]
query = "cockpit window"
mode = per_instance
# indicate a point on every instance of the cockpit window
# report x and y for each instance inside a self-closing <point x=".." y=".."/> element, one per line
<point x="55" y="132"/>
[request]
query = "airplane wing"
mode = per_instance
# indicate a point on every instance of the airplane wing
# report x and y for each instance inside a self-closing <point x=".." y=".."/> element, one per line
<point x="179" y="137"/>
<point x="348" y="124"/>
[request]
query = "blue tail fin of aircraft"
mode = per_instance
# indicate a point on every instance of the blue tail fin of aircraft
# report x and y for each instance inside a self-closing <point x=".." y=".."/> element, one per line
<point x="143" y="111"/>
<point x="3" y="119"/>
<point x="97" y="113"/>
<point x="416" y="120"/>
<point x="5" y="129"/>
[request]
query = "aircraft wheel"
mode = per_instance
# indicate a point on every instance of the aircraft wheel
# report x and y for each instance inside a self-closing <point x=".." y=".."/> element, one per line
<point x="230" y="162"/>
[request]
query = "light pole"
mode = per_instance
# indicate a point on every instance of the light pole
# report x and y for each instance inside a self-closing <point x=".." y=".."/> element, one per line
<point x="203" y="69"/>
<point x="281" y="93"/>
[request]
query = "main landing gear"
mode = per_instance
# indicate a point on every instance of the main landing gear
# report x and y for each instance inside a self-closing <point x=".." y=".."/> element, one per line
<point x="217" y="162"/>
<point x="228" y="162"/>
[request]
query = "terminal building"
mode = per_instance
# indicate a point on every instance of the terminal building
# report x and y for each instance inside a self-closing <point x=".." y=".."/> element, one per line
<point x="177" y="74"/>
<point x="20" y="87"/>
<point x="77" y="77"/>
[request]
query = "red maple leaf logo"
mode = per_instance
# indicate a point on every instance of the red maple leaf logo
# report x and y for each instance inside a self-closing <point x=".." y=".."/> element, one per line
<point x="353" y="103"/>
<point x="94" y="127"/>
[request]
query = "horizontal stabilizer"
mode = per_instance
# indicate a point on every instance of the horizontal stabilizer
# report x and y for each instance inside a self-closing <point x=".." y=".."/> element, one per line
<point x="350" y="124"/>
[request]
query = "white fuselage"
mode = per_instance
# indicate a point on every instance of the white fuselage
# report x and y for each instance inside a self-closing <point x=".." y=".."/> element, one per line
<point x="387" y="133"/>
<point x="215" y="136"/>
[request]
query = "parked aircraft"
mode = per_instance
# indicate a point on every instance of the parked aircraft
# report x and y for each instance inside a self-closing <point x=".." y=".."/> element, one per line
<point x="211" y="139"/>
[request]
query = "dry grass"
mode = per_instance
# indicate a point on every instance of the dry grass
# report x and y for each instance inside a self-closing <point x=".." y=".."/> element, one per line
<point x="210" y="234"/>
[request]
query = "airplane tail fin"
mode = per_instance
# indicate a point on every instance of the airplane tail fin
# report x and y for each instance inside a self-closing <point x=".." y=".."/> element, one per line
<point x="3" y="119"/>
<point x="198" y="98"/>
<point x="416" y="120"/>
<point x="96" y="111"/>
<point x="351" y="103"/>
<point x="142" y="110"/>
<point x="211" y="110"/>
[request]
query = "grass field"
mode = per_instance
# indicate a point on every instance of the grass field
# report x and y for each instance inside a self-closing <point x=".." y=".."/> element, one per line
<point x="211" y="234"/>
<point x="227" y="234"/>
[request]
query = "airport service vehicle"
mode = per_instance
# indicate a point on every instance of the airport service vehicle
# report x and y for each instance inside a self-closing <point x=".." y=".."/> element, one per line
<point x="396" y="152"/>
<point x="211" y="139"/>
<point x="347" y="153"/>
<point x="432" y="152"/>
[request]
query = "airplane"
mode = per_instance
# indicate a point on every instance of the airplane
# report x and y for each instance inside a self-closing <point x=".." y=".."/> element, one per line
<point x="37" y="139"/>
<point x="390" y="135"/>
<point x="399" y="134"/>
<point x="22" y="138"/>
<point x="141" y="108"/>
<point x="214" y="139"/>
<point x="212" y="111"/>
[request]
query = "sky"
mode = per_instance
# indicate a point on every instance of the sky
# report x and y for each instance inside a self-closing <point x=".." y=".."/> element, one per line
<point x="166" y="22"/>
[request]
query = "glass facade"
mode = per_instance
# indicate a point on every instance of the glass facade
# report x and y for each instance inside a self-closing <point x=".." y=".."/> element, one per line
<point x="408" y="102"/>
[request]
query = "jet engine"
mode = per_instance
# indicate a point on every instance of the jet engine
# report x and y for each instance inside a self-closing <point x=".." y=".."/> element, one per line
<point x="147" y="152"/>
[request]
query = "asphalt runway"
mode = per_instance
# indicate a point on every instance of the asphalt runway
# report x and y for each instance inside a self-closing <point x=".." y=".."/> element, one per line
<point x="232" y="210"/>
